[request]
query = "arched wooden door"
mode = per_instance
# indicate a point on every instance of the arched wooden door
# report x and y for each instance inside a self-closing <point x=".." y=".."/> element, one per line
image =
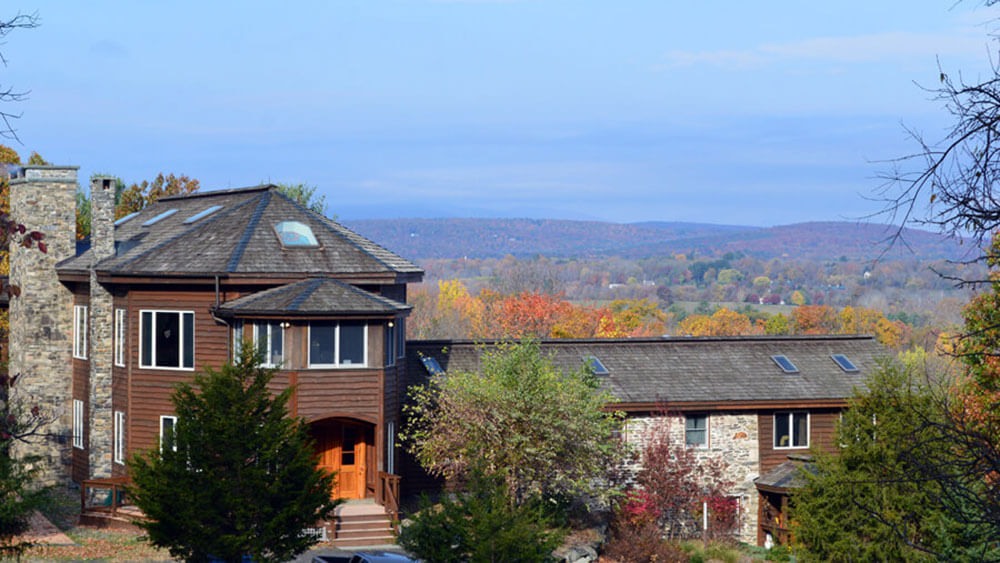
<point x="342" y="447"/>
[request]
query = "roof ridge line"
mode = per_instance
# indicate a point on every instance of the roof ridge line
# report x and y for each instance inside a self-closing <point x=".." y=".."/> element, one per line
<point x="374" y="296"/>
<point x="241" y="246"/>
<point x="294" y="305"/>
<point x="194" y="226"/>
<point x="323" y="221"/>
<point x="255" y="297"/>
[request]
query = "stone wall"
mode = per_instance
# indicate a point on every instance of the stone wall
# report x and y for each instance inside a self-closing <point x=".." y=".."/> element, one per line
<point x="101" y="416"/>
<point x="732" y="439"/>
<point x="43" y="198"/>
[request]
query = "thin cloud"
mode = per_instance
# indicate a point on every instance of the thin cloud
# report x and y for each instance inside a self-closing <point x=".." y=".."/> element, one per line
<point x="878" y="47"/>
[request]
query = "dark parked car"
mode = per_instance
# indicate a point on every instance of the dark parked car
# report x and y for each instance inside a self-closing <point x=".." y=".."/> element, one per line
<point x="365" y="557"/>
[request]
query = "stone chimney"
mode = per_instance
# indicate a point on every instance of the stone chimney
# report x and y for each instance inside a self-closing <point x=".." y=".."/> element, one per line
<point x="101" y="325"/>
<point x="43" y="198"/>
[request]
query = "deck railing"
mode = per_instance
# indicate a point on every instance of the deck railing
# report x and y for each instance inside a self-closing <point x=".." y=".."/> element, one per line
<point x="387" y="495"/>
<point x="116" y="494"/>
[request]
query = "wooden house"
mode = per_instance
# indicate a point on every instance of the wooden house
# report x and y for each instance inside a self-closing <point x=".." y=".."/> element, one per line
<point x="751" y="401"/>
<point x="178" y="286"/>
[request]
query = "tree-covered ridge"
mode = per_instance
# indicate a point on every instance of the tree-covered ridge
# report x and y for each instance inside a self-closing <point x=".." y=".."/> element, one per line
<point x="494" y="238"/>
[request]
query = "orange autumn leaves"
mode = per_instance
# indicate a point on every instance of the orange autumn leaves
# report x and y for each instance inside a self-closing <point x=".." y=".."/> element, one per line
<point x="455" y="313"/>
<point x="458" y="314"/>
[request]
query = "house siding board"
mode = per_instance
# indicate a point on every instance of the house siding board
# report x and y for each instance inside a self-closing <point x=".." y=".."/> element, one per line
<point x="822" y="434"/>
<point x="342" y="392"/>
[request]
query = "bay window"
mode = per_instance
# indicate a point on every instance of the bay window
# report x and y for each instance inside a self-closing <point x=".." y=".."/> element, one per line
<point x="338" y="344"/>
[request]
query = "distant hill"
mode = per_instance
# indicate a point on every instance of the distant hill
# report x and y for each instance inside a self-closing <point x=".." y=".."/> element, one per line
<point x="490" y="238"/>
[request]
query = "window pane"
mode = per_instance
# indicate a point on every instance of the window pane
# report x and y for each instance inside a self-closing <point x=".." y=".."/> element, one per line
<point x="389" y="345"/>
<point x="168" y="339"/>
<point x="781" y="430"/>
<point x="147" y="339"/>
<point x="189" y="340"/>
<point x="800" y="422"/>
<point x="352" y="343"/>
<point x="276" y="344"/>
<point x="321" y="343"/>
<point x="696" y="430"/>
<point x="401" y="338"/>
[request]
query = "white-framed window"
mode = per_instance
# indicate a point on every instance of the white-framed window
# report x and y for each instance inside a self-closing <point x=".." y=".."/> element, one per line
<point x="166" y="339"/>
<point x="400" y="338"/>
<point x="80" y="332"/>
<point x="268" y="337"/>
<point x="119" y="437"/>
<point x="338" y="344"/>
<point x="120" y="337"/>
<point x="167" y="426"/>
<point x="390" y="344"/>
<point x="390" y="447"/>
<point x="696" y="430"/>
<point x="791" y="430"/>
<point x="77" y="423"/>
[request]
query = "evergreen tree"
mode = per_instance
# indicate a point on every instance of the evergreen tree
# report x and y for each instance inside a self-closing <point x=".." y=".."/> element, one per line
<point x="237" y="476"/>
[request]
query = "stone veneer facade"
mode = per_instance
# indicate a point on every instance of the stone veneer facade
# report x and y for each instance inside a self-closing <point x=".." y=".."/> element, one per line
<point x="101" y="326"/>
<point x="43" y="198"/>
<point x="733" y="438"/>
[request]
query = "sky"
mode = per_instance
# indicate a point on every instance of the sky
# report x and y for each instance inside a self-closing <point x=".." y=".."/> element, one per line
<point x="749" y="113"/>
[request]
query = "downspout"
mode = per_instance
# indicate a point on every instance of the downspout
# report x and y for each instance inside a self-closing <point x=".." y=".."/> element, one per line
<point x="229" y="333"/>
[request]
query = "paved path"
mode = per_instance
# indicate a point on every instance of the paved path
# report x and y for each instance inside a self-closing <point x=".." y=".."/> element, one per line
<point x="44" y="532"/>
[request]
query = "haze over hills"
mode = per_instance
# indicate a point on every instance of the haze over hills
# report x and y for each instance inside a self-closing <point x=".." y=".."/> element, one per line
<point x="490" y="238"/>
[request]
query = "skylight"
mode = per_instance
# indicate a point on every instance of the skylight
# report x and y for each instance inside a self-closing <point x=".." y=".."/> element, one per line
<point x="125" y="218"/>
<point x="294" y="233"/>
<point x="595" y="366"/>
<point x="844" y="363"/>
<point x="431" y="365"/>
<point x="201" y="214"/>
<point x="159" y="217"/>
<point x="785" y="364"/>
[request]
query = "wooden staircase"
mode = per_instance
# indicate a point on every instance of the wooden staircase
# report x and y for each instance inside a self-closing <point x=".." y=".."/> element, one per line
<point x="362" y="523"/>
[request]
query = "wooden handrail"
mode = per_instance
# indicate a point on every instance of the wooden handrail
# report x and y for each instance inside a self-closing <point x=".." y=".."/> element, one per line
<point x="387" y="495"/>
<point x="115" y="484"/>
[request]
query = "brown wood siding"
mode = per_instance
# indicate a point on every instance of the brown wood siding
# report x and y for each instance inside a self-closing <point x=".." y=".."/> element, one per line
<point x="119" y="383"/>
<point x="81" y="391"/>
<point x="341" y="391"/>
<point x="149" y="396"/>
<point x="822" y="430"/>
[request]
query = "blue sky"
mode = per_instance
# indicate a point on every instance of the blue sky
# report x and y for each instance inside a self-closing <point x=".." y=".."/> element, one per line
<point x="758" y="113"/>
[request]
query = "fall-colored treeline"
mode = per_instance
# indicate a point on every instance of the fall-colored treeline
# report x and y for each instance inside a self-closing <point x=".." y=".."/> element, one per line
<point x="453" y="312"/>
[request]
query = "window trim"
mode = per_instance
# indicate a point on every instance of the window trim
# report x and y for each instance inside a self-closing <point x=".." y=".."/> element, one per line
<point x="180" y="352"/>
<point x="389" y="342"/>
<point x="173" y="419"/>
<point x="80" y="314"/>
<point x="267" y="349"/>
<point x="78" y="424"/>
<point x="120" y="315"/>
<point x="791" y="430"/>
<point x="401" y="338"/>
<point x="390" y="452"/>
<point x="119" y="438"/>
<point x="708" y="431"/>
<point x="336" y="348"/>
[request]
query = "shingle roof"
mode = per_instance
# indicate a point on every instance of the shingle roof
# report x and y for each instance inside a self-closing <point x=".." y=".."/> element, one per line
<point x="679" y="370"/>
<point x="312" y="297"/>
<point x="238" y="238"/>
<point x="788" y="474"/>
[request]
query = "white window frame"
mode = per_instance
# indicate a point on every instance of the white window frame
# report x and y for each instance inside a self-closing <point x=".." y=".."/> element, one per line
<point x="78" y="423"/>
<point x="173" y="419"/>
<point x="80" y="332"/>
<point x="401" y="337"/>
<point x="708" y="431"/>
<point x="390" y="451"/>
<point x="120" y="437"/>
<point x="389" y="355"/>
<point x="180" y="336"/>
<point x="791" y="430"/>
<point x="120" y="337"/>
<point x="336" y="349"/>
<point x="267" y="348"/>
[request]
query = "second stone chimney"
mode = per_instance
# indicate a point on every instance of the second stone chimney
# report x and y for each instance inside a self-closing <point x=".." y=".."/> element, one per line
<point x="102" y="245"/>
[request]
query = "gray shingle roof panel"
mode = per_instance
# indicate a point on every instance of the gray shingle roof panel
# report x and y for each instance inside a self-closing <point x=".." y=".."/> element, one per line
<point x="316" y="296"/>
<point x="239" y="238"/>
<point x="735" y="369"/>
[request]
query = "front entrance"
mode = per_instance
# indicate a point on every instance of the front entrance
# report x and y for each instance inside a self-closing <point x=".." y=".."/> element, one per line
<point x="345" y="447"/>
